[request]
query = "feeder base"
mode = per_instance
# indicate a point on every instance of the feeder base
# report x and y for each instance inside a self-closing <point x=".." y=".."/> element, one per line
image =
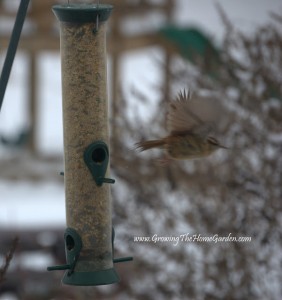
<point x="102" y="277"/>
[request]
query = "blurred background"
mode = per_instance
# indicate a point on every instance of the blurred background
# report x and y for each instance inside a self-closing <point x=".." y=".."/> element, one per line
<point x="231" y="50"/>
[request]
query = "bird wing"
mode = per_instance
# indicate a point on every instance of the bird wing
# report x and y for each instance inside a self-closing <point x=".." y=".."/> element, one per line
<point x="188" y="113"/>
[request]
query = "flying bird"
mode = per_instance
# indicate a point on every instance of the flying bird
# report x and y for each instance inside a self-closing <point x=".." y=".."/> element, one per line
<point x="191" y="124"/>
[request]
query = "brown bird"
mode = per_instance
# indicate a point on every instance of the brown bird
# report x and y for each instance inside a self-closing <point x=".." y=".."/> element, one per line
<point x="190" y="123"/>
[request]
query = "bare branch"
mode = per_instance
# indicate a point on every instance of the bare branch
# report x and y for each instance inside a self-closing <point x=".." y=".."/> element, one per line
<point x="8" y="259"/>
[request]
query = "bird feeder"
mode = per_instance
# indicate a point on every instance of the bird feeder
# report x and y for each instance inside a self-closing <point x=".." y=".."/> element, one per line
<point x="89" y="235"/>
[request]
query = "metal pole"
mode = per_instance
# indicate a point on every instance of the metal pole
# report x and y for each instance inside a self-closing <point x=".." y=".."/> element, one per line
<point x="12" y="48"/>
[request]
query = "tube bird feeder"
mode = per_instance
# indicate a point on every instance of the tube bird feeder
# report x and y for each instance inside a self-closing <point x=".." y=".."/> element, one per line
<point x="89" y="235"/>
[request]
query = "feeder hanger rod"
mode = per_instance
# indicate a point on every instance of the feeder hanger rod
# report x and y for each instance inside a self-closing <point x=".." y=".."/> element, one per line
<point x="12" y="48"/>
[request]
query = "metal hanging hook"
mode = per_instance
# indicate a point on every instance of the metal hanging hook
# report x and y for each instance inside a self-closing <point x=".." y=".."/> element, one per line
<point x="97" y="23"/>
<point x="95" y="30"/>
<point x="97" y="17"/>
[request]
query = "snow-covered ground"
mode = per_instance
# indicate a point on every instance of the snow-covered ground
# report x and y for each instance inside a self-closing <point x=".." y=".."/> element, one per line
<point x="29" y="204"/>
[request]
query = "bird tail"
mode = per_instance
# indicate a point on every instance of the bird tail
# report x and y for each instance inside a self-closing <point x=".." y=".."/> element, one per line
<point x="145" y="145"/>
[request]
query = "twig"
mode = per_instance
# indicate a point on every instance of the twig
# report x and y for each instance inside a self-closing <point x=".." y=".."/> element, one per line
<point x="8" y="259"/>
<point x="276" y="17"/>
<point x="228" y="24"/>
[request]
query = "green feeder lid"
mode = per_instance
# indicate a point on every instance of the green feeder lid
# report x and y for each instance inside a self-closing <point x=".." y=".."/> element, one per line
<point x="82" y="13"/>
